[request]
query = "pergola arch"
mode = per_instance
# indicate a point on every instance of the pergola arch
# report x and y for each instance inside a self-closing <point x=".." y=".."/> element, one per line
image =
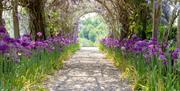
<point x="75" y="11"/>
<point x="114" y="12"/>
<point x="76" y="19"/>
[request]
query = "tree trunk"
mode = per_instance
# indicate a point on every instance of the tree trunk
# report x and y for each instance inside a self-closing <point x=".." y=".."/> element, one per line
<point x="1" y="12"/>
<point x="125" y="25"/>
<point x="143" y="22"/>
<point x="143" y="32"/>
<point x="37" y="19"/>
<point x="170" y="25"/>
<point x="155" y="28"/>
<point x="124" y="32"/>
<point x="178" y="33"/>
<point x="15" y="19"/>
<point x="156" y="18"/>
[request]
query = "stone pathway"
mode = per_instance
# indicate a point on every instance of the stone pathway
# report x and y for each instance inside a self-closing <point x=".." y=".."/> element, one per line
<point x="87" y="70"/>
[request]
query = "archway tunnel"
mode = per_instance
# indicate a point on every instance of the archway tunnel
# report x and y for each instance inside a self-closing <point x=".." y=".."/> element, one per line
<point x="141" y="37"/>
<point x="52" y="19"/>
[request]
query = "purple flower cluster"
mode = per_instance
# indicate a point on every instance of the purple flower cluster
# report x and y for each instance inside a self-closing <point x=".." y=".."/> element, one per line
<point x="149" y="48"/>
<point x="176" y="53"/>
<point x="111" y="42"/>
<point x="25" y="46"/>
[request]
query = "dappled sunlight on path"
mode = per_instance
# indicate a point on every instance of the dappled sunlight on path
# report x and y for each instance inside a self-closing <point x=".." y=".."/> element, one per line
<point x="87" y="70"/>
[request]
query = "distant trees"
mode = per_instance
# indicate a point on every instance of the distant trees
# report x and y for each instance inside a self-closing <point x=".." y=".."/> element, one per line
<point x="92" y="30"/>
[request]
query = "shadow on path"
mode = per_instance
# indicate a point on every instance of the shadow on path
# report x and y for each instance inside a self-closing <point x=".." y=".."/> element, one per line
<point x="87" y="70"/>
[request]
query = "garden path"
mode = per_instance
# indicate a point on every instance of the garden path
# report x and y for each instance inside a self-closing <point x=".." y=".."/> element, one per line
<point x="87" y="70"/>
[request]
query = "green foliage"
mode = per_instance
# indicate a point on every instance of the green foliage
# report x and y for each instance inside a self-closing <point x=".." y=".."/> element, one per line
<point x="92" y="36"/>
<point x="146" y="75"/>
<point x="173" y="33"/>
<point x="92" y="31"/>
<point x="26" y="74"/>
<point x="53" y="22"/>
<point x="86" y="43"/>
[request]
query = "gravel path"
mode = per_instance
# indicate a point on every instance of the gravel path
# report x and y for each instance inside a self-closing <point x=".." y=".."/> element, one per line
<point x="87" y="70"/>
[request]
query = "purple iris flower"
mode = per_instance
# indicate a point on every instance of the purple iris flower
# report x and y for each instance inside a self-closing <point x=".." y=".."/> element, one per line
<point x="25" y="46"/>
<point x="3" y="47"/>
<point x="3" y="32"/>
<point x="165" y="62"/>
<point x="140" y="46"/>
<point x="9" y="40"/>
<point x="176" y="53"/>
<point x="162" y="57"/>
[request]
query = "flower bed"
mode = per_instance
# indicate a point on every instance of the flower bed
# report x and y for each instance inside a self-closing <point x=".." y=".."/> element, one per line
<point x="145" y="63"/>
<point x="24" y="62"/>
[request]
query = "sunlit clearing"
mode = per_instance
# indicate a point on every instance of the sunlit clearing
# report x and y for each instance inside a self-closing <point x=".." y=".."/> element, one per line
<point x="92" y="28"/>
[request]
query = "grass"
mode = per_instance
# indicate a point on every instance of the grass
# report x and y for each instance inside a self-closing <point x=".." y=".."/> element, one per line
<point x="30" y="71"/>
<point x="145" y="75"/>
